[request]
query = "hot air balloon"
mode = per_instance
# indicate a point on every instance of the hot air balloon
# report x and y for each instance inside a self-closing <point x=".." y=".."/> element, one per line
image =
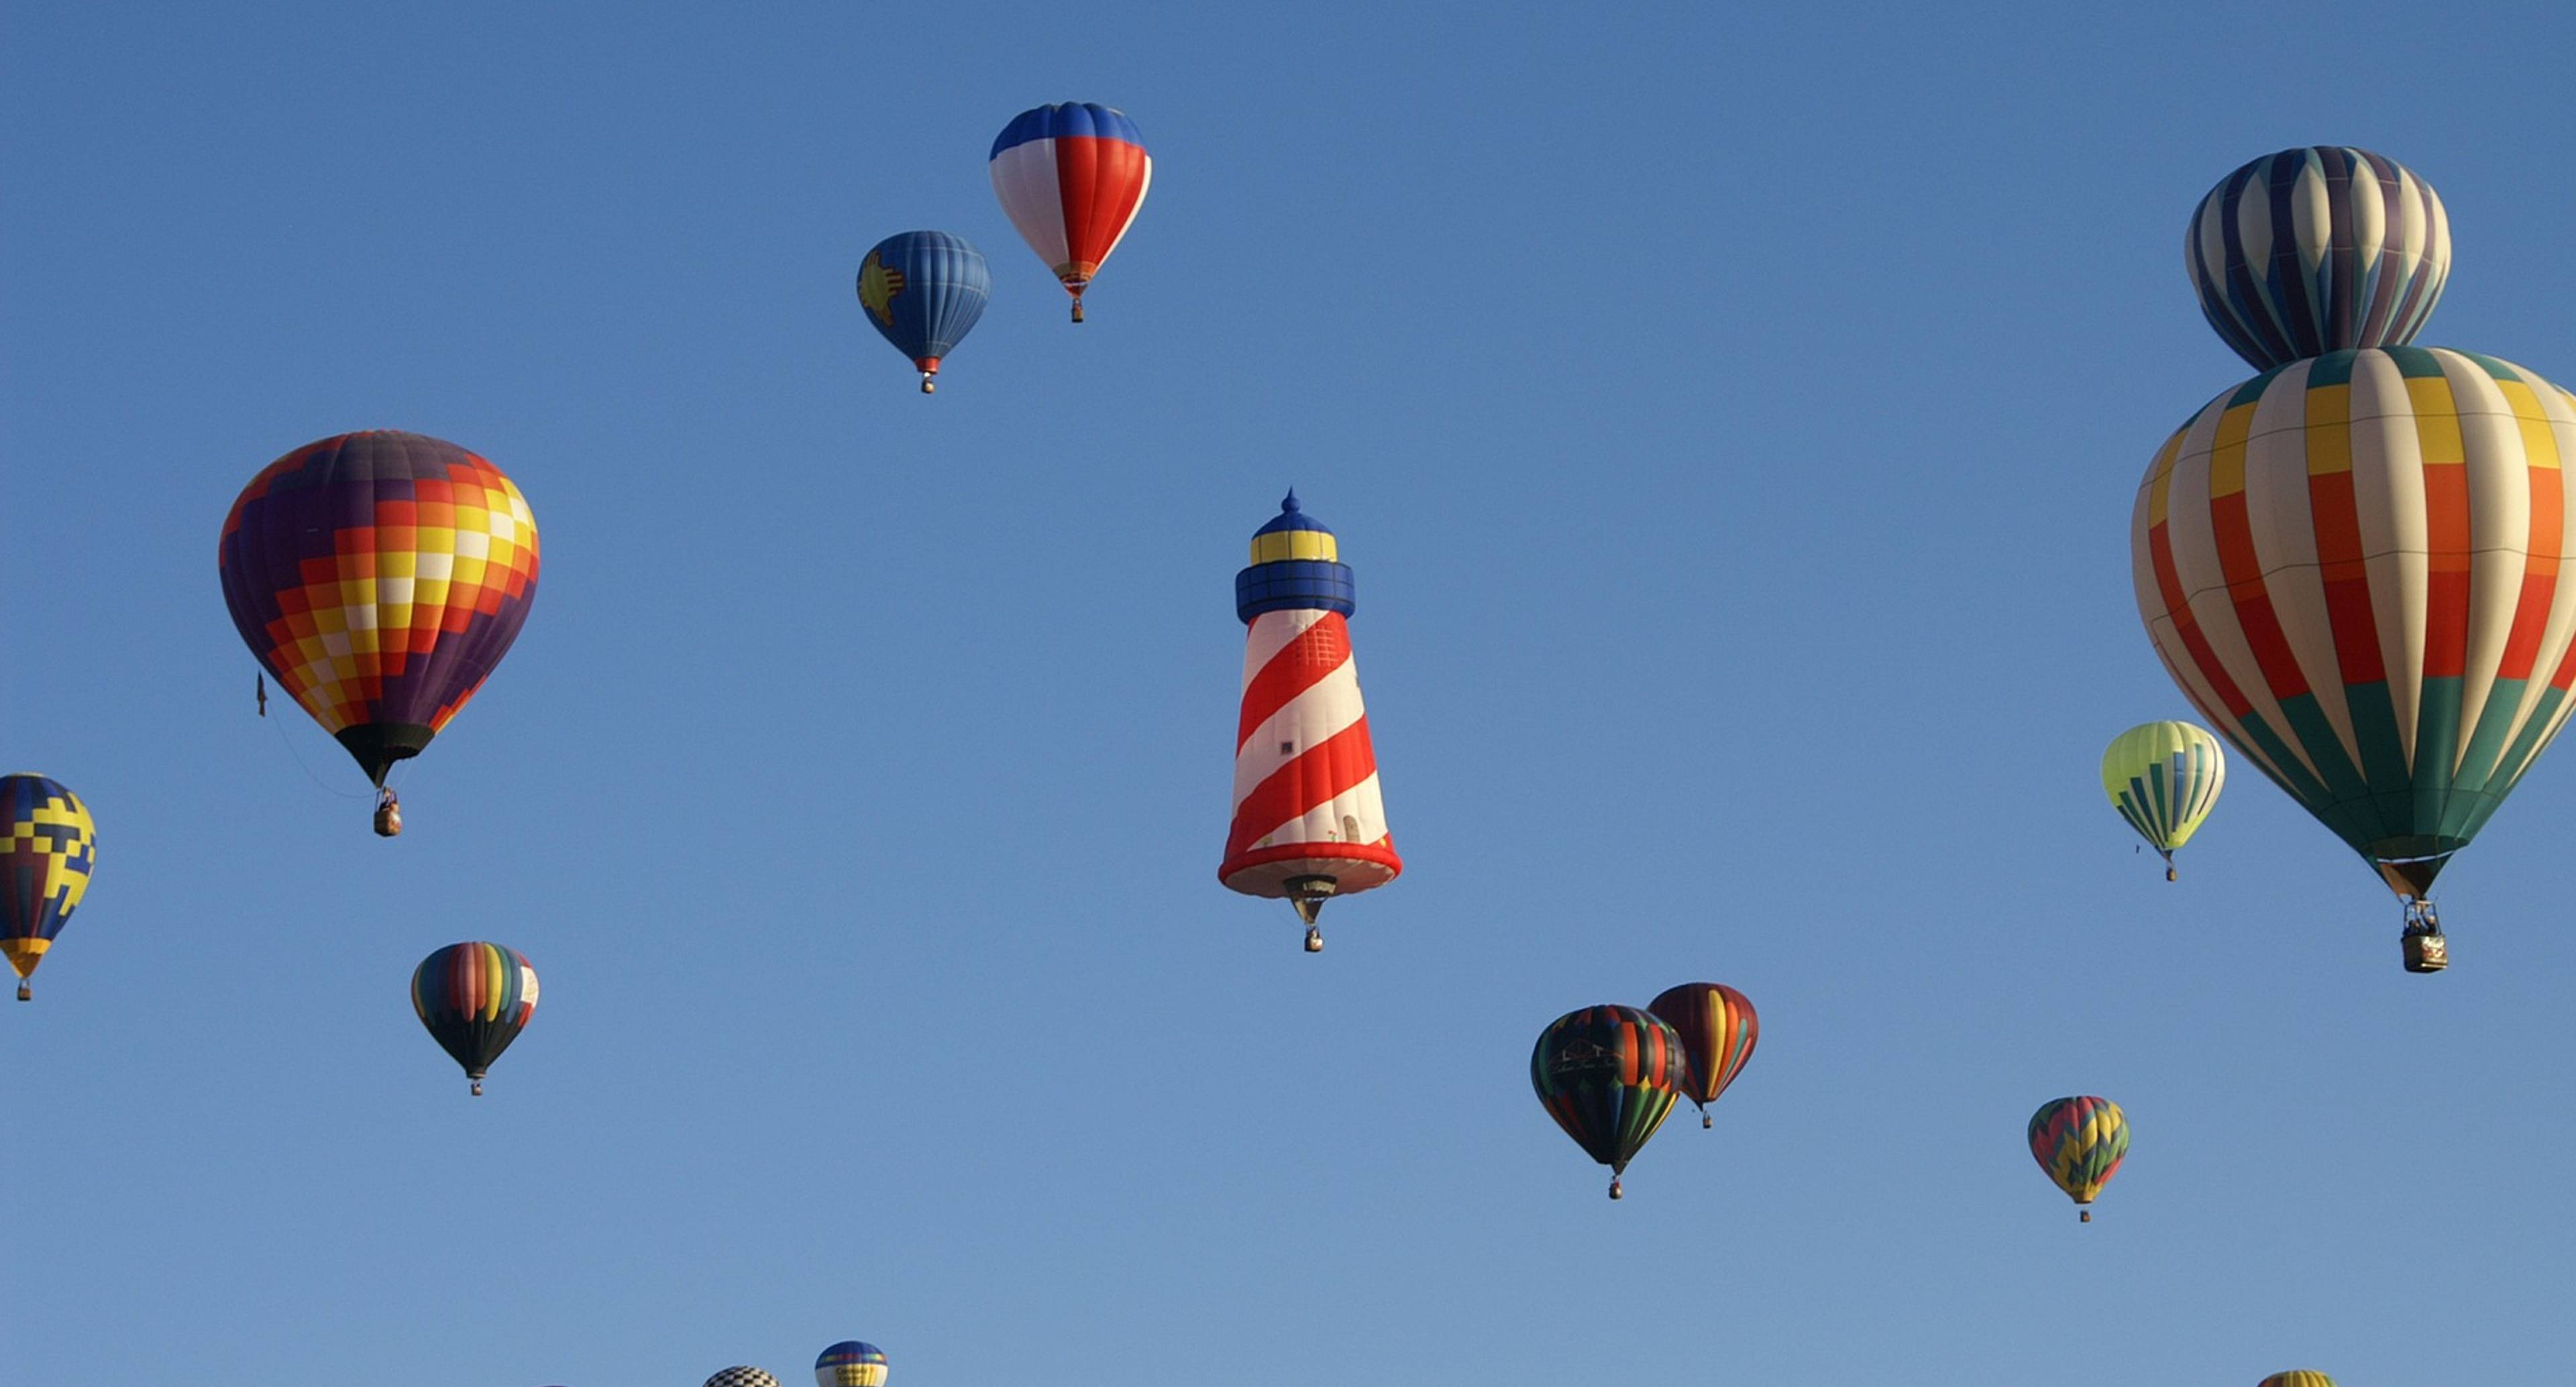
<point x="2351" y="565"/>
<point x="1309" y="823"/>
<point x="740" y="1376"/>
<point x="1071" y="177"/>
<point x="850" y="1363"/>
<point x="475" y="999"/>
<point x="1718" y="1029"/>
<point x="2080" y="1143"/>
<point x="2297" y="1377"/>
<point x="2315" y="250"/>
<point x="44" y="868"/>
<point x="2164" y="778"/>
<point x="923" y="291"/>
<point x="379" y="577"/>
<point x="1609" y="1075"/>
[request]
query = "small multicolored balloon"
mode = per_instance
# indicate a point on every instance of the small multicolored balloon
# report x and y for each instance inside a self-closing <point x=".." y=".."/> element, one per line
<point x="1718" y="1029"/>
<point x="1609" y="1076"/>
<point x="851" y="1363"/>
<point x="924" y="291"/>
<point x="1071" y="177"/>
<point x="474" y="998"/>
<point x="2164" y="778"/>
<point x="2297" y="1377"/>
<point x="379" y="578"/>
<point x="45" y="863"/>
<point x="2080" y="1142"/>
<point x="742" y="1376"/>
<point x="2318" y="250"/>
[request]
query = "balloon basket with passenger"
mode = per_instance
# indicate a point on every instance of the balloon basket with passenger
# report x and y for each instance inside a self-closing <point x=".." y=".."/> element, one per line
<point x="2421" y="942"/>
<point x="1308" y="894"/>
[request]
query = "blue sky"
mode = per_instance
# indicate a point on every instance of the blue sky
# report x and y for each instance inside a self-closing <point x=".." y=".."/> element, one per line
<point x="1732" y="418"/>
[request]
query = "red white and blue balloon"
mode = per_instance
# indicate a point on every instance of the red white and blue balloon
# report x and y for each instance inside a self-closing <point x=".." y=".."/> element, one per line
<point x="1071" y="176"/>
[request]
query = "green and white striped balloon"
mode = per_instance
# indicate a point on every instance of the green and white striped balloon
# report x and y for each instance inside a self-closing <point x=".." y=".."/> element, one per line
<point x="2164" y="778"/>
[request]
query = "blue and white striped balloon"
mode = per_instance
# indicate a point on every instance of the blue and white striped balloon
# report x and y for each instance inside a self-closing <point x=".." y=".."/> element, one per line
<point x="2316" y="250"/>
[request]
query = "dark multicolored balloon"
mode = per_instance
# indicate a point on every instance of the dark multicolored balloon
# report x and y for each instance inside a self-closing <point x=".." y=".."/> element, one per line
<point x="2297" y="1377"/>
<point x="742" y="1376"/>
<point x="379" y="577"/>
<point x="2318" y="250"/>
<point x="1609" y="1076"/>
<point x="923" y="291"/>
<point x="45" y="864"/>
<point x="1718" y="1030"/>
<point x="475" y="999"/>
<point x="850" y="1363"/>
<point x="2080" y="1142"/>
<point x="1071" y="178"/>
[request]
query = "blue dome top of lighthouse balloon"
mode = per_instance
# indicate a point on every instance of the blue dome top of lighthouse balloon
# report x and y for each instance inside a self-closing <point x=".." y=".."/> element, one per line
<point x="1292" y="516"/>
<point x="1296" y="566"/>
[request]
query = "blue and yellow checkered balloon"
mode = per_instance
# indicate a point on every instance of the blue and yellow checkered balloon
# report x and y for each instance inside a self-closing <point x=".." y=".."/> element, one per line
<point x="45" y="863"/>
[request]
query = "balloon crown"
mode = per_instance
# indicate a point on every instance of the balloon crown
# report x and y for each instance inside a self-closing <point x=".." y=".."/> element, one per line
<point x="1292" y="516"/>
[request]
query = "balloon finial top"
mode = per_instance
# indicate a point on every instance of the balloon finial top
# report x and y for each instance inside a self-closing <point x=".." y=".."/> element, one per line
<point x="1292" y="519"/>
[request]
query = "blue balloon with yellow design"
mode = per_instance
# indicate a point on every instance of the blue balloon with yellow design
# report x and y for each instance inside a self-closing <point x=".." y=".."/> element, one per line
<point x="44" y="868"/>
<point x="851" y="1363"/>
<point x="924" y="290"/>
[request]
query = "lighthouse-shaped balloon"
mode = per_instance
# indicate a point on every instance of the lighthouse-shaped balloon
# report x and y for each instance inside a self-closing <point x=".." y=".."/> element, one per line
<point x="1308" y="823"/>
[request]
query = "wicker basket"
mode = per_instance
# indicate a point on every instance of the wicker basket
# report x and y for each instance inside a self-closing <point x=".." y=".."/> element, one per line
<point x="2426" y="952"/>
